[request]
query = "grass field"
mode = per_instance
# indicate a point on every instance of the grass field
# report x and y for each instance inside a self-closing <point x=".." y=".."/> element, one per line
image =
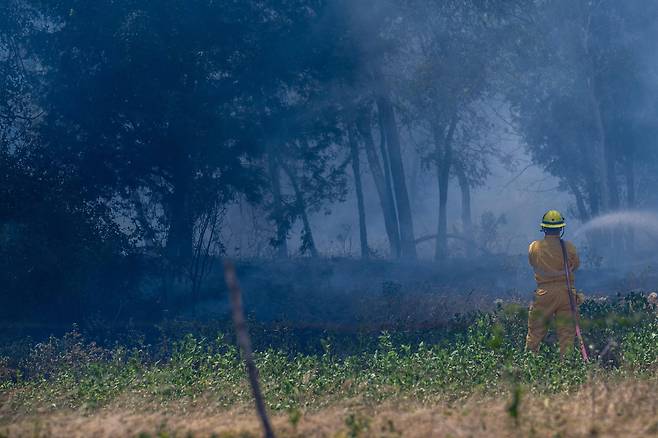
<point x="472" y="379"/>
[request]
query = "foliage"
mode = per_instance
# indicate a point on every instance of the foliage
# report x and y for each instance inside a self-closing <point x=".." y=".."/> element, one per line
<point x="579" y="100"/>
<point x="485" y="357"/>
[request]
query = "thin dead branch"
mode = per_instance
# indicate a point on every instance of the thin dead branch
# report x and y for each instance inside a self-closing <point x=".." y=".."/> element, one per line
<point x="244" y="342"/>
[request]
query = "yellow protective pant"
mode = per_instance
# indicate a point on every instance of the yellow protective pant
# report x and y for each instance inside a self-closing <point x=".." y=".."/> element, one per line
<point x="551" y="301"/>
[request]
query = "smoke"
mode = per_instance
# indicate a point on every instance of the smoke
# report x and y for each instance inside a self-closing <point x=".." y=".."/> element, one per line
<point x="621" y="248"/>
<point x="521" y="192"/>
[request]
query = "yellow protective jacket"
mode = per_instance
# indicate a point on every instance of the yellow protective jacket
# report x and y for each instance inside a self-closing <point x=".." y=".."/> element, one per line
<point x="546" y="259"/>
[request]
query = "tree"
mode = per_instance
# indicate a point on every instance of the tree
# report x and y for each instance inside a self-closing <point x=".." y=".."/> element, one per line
<point x="55" y="245"/>
<point x="447" y="82"/>
<point x="358" y="187"/>
<point x="18" y="81"/>
<point x="160" y="111"/>
<point x="315" y="180"/>
<point x="381" y="178"/>
<point x="579" y="92"/>
<point x="371" y="37"/>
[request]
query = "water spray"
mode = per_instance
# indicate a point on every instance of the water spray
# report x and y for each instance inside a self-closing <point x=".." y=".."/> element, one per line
<point x="642" y="220"/>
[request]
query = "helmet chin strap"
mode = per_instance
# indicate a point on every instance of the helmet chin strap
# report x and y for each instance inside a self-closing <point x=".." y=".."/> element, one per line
<point x="562" y="233"/>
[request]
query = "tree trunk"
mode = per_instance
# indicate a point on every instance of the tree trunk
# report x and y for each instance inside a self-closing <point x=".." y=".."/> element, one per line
<point x="180" y="239"/>
<point x="388" y="182"/>
<point x="467" y="223"/>
<point x="580" y="201"/>
<point x="413" y="180"/>
<point x="387" y="166"/>
<point x="384" y="192"/>
<point x="600" y="158"/>
<point x="205" y="234"/>
<point x="180" y="236"/>
<point x="356" y="169"/>
<point x="616" y="234"/>
<point x="308" y="242"/>
<point x="281" y="243"/>
<point x="600" y="154"/>
<point x="613" y="185"/>
<point x="443" y="145"/>
<point x="595" y="238"/>
<point x="147" y="230"/>
<point x="407" y="239"/>
<point x="629" y="175"/>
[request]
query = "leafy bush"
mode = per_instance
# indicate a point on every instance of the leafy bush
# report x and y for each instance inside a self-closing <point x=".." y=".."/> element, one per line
<point x="483" y="353"/>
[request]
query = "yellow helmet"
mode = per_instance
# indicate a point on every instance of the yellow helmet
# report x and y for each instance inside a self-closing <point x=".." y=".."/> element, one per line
<point x="552" y="219"/>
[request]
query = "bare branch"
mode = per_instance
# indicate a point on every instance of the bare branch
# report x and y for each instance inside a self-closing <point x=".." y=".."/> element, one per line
<point x="244" y="342"/>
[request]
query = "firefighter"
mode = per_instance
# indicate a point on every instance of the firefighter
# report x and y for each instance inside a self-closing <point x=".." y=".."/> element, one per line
<point x="551" y="300"/>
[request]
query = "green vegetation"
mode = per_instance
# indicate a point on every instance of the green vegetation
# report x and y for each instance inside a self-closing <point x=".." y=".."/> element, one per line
<point x="485" y="356"/>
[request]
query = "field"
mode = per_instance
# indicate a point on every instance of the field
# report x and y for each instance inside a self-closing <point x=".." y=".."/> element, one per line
<point x="471" y="378"/>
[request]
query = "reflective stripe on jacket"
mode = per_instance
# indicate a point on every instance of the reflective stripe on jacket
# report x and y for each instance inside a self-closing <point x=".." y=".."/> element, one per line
<point x="546" y="259"/>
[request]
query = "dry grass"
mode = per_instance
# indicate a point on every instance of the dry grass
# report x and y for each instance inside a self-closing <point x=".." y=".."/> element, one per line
<point x="621" y="409"/>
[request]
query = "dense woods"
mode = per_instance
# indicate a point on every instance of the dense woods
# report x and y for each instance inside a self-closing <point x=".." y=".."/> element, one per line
<point x="129" y="130"/>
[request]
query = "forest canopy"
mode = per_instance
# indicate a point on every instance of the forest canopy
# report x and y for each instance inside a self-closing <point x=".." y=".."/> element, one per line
<point x="130" y="131"/>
